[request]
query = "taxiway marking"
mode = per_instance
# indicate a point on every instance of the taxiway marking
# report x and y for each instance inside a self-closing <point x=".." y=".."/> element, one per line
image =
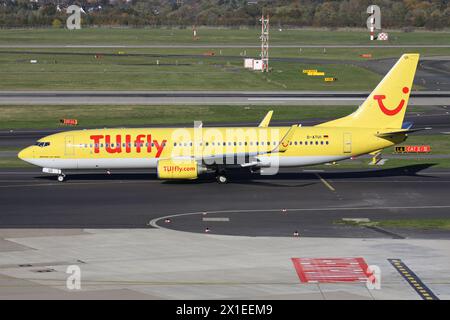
<point x="154" y="222"/>
<point x="325" y="182"/>
<point x="219" y="219"/>
<point x="413" y="280"/>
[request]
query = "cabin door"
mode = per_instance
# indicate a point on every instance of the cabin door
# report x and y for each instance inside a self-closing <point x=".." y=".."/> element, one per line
<point x="347" y="143"/>
<point x="69" y="146"/>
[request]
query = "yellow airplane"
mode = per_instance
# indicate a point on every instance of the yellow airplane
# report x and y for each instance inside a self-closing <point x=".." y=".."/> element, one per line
<point x="186" y="153"/>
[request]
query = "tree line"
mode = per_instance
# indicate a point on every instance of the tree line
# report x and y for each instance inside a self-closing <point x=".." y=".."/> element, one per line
<point x="429" y="14"/>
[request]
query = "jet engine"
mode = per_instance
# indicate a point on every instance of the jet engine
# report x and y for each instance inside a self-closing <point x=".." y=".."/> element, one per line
<point x="179" y="169"/>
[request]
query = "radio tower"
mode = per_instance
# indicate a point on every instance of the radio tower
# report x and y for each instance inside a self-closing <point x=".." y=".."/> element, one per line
<point x="265" y="43"/>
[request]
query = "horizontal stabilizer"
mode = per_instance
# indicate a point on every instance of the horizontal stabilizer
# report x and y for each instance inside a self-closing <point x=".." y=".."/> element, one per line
<point x="392" y="133"/>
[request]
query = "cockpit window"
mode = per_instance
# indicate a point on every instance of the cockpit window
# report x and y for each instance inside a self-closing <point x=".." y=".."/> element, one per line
<point x="42" y="144"/>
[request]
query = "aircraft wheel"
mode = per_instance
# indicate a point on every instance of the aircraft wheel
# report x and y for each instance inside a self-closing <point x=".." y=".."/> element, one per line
<point x="221" y="178"/>
<point x="61" y="177"/>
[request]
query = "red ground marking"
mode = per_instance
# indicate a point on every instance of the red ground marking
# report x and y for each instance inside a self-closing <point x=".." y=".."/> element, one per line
<point x="330" y="270"/>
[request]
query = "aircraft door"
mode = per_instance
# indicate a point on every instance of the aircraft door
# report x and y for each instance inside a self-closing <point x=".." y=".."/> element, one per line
<point x="347" y="142"/>
<point x="69" y="146"/>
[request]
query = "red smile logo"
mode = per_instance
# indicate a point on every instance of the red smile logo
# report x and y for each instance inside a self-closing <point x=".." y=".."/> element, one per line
<point x="285" y="144"/>
<point x="387" y="111"/>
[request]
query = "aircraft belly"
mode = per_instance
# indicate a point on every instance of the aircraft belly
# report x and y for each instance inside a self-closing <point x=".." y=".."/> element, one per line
<point x="117" y="163"/>
<point x="296" y="161"/>
<point x="105" y="163"/>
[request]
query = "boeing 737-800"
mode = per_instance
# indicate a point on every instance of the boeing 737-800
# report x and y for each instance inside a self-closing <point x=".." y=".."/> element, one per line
<point x="186" y="153"/>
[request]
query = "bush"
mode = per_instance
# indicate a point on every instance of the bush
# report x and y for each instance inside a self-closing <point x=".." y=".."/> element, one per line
<point x="56" y="23"/>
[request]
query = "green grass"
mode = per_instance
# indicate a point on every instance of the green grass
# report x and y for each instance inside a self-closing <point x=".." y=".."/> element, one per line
<point x="47" y="117"/>
<point x="416" y="223"/>
<point x="349" y="54"/>
<point x="244" y="36"/>
<point x="443" y="224"/>
<point x="71" y="71"/>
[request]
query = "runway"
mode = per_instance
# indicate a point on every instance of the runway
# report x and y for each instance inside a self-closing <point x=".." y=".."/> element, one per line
<point x="253" y="204"/>
<point x="213" y="45"/>
<point x="205" y="98"/>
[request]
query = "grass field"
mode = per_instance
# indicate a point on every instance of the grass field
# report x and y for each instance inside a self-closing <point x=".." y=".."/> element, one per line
<point x="83" y="71"/>
<point x="346" y="54"/>
<point x="47" y="117"/>
<point x="443" y="224"/>
<point x="244" y="36"/>
<point x="189" y="68"/>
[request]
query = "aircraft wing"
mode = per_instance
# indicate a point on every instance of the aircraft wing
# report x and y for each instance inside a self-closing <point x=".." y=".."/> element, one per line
<point x="251" y="157"/>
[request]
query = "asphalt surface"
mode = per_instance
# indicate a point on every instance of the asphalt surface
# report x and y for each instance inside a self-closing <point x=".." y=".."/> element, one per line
<point x="203" y="98"/>
<point x="253" y="204"/>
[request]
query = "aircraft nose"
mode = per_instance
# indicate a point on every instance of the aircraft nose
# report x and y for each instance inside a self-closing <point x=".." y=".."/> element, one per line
<point x="26" y="153"/>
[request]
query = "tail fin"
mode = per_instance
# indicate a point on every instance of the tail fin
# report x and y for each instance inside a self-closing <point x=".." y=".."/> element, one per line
<point x="386" y="105"/>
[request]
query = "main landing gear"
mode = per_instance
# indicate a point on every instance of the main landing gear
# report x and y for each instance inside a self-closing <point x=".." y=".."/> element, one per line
<point x="61" y="177"/>
<point x="221" y="177"/>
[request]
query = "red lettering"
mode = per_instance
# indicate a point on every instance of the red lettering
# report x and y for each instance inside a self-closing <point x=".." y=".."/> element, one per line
<point x="127" y="143"/>
<point x="138" y="142"/>
<point x="118" y="146"/>
<point x="96" y="139"/>
<point x="159" y="147"/>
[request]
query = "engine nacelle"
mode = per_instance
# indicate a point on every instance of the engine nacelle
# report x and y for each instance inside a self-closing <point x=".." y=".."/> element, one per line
<point x="178" y="169"/>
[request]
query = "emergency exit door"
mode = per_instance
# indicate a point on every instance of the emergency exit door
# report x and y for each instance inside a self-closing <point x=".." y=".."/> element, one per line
<point x="347" y="142"/>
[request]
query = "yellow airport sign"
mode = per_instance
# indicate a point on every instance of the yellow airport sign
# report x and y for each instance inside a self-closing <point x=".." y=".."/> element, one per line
<point x="316" y="73"/>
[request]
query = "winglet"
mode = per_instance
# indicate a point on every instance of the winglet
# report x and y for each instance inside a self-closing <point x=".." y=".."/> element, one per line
<point x="265" y="122"/>
<point x="284" y="143"/>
